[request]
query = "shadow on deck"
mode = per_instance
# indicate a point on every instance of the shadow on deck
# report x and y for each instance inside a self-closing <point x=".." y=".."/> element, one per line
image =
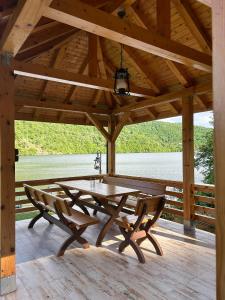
<point x="186" y="271"/>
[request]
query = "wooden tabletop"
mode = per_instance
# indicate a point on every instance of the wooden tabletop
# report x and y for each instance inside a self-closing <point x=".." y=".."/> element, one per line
<point x="97" y="189"/>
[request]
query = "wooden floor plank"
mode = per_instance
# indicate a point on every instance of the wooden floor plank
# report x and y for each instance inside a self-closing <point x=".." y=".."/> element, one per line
<point x="186" y="271"/>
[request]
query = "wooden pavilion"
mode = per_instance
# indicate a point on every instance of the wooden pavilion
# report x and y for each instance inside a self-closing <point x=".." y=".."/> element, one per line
<point x="58" y="61"/>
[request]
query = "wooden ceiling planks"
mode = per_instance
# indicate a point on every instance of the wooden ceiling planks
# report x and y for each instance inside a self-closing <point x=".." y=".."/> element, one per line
<point x="145" y="68"/>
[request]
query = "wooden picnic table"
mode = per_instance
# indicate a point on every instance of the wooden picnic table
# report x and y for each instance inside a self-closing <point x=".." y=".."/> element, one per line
<point x="101" y="193"/>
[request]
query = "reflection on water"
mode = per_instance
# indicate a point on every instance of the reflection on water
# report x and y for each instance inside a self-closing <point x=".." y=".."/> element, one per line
<point x="155" y="165"/>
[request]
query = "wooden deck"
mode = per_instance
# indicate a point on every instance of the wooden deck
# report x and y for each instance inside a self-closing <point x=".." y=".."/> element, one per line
<point x="186" y="271"/>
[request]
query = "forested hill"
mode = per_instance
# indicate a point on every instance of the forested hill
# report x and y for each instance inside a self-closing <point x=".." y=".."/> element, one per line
<point x="43" y="138"/>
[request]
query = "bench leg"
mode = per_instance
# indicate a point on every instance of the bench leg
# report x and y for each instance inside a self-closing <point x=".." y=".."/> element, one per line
<point x="35" y="219"/>
<point x="76" y="236"/>
<point x="123" y="245"/>
<point x="128" y="241"/>
<point x="138" y="251"/>
<point x="155" y="243"/>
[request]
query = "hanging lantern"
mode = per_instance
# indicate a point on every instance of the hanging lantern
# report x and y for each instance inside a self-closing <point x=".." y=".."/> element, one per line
<point x="121" y="84"/>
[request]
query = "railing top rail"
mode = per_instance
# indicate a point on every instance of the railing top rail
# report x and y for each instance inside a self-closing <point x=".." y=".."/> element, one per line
<point x="170" y="183"/>
<point x="53" y="180"/>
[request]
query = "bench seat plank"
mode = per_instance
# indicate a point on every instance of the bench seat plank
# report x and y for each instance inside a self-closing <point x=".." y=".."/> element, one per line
<point x="80" y="219"/>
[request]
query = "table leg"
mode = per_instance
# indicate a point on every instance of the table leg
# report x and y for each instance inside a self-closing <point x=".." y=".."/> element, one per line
<point x="74" y="199"/>
<point x="110" y="221"/>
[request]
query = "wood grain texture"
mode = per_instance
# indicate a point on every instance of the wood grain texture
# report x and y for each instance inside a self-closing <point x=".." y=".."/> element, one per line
<point x="97" y="189"/>
<point x="7" y="171"/>
<point x="218" y="8"/>
<point x="21" y="24"/>
<point x="186" y="271"/>
<point x="93" y="20"/>
<point x="188" y="158"/>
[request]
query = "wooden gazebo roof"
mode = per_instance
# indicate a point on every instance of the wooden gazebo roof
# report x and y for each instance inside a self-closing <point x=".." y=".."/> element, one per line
<point x="170" y="58"/>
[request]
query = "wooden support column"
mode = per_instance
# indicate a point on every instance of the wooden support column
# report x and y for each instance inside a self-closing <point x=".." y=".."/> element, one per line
<point x="7" y="177"/>
<point x="188" y="160"/>
<point x="111" y="147"/>
<point x="218" y="12"/>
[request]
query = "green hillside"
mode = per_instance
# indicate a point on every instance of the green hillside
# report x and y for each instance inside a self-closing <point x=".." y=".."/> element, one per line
<point x="42" y="138"/>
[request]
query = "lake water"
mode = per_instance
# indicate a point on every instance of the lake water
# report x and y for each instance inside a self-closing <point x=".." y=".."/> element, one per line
<point x="153" y="165"/>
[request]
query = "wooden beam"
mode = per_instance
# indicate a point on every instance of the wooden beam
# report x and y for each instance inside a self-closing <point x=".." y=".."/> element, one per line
<point x="73" y="89"/>
<point x="176" y="68"/>
<point x="120" y="125"/>
<point x="21" y="24"/>
<point x="57" y="59"/>
<point x="97" y="97"/>
<point x="54" y="105"/>
<point x="94" y="120"/>
<point x="186" y="12"/>
<point x="201" y="99"/>
<point x="197" y="89"/>
<point x="111" y="148"/>
<point x="92" y="55"/>
<point x="142" y="68"/>
<point x="83" y="16"/>
<point x="188" y="160"/>
<point x="102" y="70"/>
<point x="47" y="46"/>
<point x="7" y="178"/>
<point x="218" y="18"/>
<point x="163" y="17"/>
<point x="179" y="73"/>
<point x="62" y="76"/>
<point x="45" y="36"/>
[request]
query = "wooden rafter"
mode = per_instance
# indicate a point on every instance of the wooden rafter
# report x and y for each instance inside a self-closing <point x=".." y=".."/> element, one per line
<point x="185" y="10"/>
<point x="62" y="76"/>
<point x="97" y="97"/>
<point x="179" y="73"/>
<point x="92" y="55"/>
<point x="142" y="68"/>
<point x="102" y="70"/>
<point x="57" y="106"/>
<point x="24" y="19"/>
<point x="197" y="89"/>
<point x="176" y="68"/>
<point x="57" y="59"/>
<point x="47" y="46"/>
<point x="93" y="20"/>
<point x="45" y="36"/>
<point x="94" y="120"/>
<point x="163" y="9"/>
<point x="201" y="99"/>
<point x="73" y="89"/>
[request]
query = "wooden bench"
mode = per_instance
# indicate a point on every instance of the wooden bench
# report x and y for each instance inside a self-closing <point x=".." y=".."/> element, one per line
<point x="146" y="189"/>
<point x="57" y="211"/>
<point x="136" y="228"/>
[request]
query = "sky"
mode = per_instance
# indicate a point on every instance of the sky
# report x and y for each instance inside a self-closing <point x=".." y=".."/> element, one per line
<point x="200" y="119"/>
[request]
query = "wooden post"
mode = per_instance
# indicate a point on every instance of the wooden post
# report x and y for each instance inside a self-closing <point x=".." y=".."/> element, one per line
<point x="111" y="146"/>
<point x="218" y="10"/>
<point x="188" y="160"/>
<point x="7" y="177"/>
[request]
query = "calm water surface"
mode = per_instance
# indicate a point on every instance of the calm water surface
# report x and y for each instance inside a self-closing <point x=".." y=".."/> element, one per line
<point x="155" y="165"/>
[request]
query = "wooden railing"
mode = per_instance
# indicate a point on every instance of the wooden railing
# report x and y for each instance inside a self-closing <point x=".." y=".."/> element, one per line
<point x="203" y="208"/>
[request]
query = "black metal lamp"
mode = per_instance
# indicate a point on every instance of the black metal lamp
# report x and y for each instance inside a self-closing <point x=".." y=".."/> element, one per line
<point x="121" y="84"/>
<point x="98" y="162"/>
